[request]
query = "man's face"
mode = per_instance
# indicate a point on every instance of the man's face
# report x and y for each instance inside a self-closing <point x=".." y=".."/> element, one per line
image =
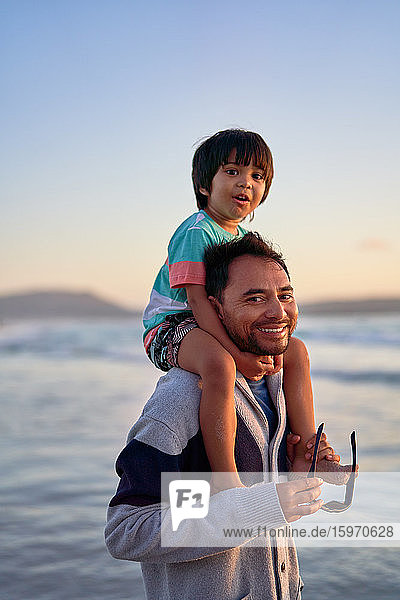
<point x="258" y="307"/>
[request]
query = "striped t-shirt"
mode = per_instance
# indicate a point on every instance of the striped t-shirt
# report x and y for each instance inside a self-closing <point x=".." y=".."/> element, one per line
<point x="184" y="266"/>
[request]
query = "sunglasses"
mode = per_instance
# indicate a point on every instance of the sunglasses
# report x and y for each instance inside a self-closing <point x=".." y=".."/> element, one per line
<point x="334" y="506"/>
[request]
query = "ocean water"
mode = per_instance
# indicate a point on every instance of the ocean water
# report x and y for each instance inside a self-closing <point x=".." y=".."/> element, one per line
<point x="69" y="393"/>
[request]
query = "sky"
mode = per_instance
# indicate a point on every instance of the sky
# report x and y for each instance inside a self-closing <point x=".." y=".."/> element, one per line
<point x="102" y="105"/>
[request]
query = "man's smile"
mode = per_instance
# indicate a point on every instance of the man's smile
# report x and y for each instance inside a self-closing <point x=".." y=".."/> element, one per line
<point x="272" y="330"/>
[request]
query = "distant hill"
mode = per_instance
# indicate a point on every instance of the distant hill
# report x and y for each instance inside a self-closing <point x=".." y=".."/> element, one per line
<point x="59" y="304"/>
<point x="372" y="305"/>
<point x="62" y="305"/>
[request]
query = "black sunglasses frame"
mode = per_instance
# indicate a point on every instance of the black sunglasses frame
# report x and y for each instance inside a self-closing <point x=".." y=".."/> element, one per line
<point x="334" y="506"/>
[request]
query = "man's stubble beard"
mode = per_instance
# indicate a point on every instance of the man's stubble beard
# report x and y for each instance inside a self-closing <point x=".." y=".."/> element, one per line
<point x="250" y="344"/>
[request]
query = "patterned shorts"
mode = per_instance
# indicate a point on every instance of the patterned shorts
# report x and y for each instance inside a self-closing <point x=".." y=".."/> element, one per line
<point x="164" y="347"/>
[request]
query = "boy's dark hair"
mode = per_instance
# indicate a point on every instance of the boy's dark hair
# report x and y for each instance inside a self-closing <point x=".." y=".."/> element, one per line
<point x="218" y="258"/>
<point x="214" y="152"/>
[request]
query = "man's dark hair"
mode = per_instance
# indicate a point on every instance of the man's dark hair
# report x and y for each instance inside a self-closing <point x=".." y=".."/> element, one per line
<point x="218" y="258"/>
<point x="214" y="152"/>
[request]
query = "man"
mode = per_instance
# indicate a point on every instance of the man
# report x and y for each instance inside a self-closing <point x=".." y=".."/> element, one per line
<point x="248" y="284"/>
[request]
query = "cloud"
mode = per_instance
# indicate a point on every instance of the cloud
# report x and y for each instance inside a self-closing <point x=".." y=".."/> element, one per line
<point x="373" y="245"/>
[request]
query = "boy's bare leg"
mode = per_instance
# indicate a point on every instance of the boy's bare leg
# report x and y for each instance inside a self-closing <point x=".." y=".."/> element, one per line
<point x="201" y="353"/>
<point x="300" y="409"/>
<point x="299" y="398"/>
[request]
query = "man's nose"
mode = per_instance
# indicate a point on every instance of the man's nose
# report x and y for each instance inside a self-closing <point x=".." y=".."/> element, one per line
<point x="274" y="309"/>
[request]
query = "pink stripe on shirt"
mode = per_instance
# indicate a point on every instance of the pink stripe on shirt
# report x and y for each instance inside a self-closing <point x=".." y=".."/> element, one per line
<point x="186" y="272"/>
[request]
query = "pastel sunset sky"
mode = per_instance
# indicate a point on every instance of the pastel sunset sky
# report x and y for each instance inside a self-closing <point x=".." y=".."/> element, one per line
<point x="103" y="101"/>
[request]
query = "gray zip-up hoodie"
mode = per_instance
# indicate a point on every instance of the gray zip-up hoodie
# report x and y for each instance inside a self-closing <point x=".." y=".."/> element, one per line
<point x="167" y="438"/>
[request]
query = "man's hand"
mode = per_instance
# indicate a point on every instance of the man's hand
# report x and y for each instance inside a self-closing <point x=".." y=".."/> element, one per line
<point x="293" y="495"/>
<point x="254" y="367"/>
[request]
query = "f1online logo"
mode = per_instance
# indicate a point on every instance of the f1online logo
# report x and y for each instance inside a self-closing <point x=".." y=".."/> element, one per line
<point x="189" y="499"/>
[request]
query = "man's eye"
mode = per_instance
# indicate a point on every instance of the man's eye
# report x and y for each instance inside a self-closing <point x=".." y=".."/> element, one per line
<point x="256" y="299"/>
<point x="286" y="297"/>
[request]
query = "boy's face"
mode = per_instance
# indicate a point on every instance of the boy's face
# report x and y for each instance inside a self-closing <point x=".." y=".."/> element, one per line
<point x="236" y="190"/>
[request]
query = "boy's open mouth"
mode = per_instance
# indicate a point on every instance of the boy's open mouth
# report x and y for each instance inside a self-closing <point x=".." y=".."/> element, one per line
<point x="242" y="198"/>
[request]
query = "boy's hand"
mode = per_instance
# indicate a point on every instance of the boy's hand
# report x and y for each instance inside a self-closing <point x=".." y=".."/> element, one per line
<point x="277" y="362"/>
<point x="255" y="367"/>
<point x="325" y="450"/>
<point x="302" y="464"/>
<point x="331" y="471"/>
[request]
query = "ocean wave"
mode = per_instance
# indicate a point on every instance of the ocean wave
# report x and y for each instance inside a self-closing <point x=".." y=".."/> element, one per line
<point x="391" y="378"/>
<point x="75" y="353"/>
<point x="377" y="330"/>
<point x="122" y="342"/>
<point x="372" y="337"/>
<point x="73" y="340"/>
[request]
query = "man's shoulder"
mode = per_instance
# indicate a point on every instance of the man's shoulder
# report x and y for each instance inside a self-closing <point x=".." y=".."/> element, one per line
<point x="174" y="391"/>
<point x="173" y="406"/>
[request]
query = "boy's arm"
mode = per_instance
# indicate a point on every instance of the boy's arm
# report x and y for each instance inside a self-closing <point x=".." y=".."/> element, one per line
<point x="250" y="365"/>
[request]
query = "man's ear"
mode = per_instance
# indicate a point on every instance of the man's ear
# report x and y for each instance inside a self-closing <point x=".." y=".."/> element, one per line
<point x="217" y="306"/>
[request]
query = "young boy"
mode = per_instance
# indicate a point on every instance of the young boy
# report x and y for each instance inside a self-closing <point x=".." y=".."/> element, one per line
<point x="232" y="174"/>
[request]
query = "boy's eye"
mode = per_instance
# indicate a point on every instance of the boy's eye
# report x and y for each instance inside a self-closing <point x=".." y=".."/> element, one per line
<point x="231" y="171"/>
<point x="258" y="176"/>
